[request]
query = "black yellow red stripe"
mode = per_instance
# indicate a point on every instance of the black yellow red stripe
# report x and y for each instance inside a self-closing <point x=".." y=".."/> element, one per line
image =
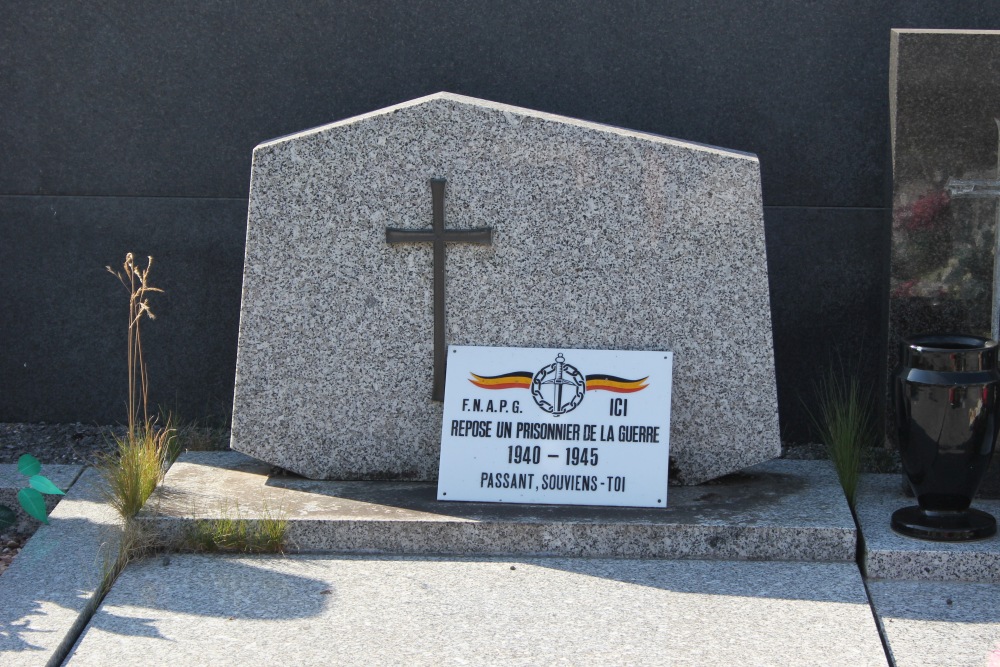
<point x="615" y="384"/>
<point x="518" y="380"/>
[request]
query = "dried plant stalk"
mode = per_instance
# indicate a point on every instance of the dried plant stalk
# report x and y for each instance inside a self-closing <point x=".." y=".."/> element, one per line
<point x="136" y="281"/>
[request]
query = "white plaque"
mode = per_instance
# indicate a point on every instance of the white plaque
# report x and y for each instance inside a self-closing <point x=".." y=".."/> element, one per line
<point x="556" y="426"/>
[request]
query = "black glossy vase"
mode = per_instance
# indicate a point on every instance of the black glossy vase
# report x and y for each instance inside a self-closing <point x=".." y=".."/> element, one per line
<point x="945" y="399"/>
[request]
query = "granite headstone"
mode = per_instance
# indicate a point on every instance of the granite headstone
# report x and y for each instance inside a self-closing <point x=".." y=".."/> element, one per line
<point x="590" y="237"/>
<point x="944" y="110"/>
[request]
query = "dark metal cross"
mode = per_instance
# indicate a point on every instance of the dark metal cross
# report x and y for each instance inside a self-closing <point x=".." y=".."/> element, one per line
<point x="438" y="235"/>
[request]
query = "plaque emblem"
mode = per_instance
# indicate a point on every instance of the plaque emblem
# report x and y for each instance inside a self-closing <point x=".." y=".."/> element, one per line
<point x="558" y="388"/>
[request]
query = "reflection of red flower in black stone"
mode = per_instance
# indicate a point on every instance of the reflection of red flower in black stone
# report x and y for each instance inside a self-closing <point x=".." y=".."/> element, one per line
<point x="920" y="214"/>
<point x="903" y="289"/>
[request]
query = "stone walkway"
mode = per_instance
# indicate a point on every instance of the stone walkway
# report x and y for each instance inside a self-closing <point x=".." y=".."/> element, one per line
<point x="48" y="593"/>
<point x="921" y="604"/>
<point x="337" y="610"/>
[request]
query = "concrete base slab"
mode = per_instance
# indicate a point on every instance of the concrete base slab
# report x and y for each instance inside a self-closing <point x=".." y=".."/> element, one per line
<point x="888" y="555"/>
<point x="12" y="481"/>
<point x="47" y="593"/>
<point x="930" y="623"/>
<point x="343" y="610"/>
<point x="780" y="510"/>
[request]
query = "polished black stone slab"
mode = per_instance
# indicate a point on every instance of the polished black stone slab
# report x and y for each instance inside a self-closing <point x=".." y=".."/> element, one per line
<point x="64" y="321"/>
<point x="944" y="101"/>
<point x="164" y="99"/>
<point x="826" y="272"/>
<point x="944" y="104"/>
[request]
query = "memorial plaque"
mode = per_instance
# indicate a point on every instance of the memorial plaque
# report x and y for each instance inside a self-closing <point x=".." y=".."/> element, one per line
<point x="556" y="426"/>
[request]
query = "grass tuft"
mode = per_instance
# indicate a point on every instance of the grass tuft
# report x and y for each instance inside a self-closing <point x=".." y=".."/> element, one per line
<point x="847" y="427"/>
<point x="235" y="534"/>
<point x="136" y="541"/>
<point x="146" y="450"/>
<point x="137" y="466"/>
<point x="142" y="455"/>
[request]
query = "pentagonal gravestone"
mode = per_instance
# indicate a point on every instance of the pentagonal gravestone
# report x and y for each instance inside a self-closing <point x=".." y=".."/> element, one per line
<point x="586" y="236"/>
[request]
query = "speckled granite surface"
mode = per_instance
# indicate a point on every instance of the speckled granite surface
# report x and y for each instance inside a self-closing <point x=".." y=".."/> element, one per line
<point x="47" y="592"/>
<point x="784" y="510"/>
<point x="329" y="610"/>
<point x="939" y="624"/>
<point x="888" y="555"/>
<point x="602" y="238"/>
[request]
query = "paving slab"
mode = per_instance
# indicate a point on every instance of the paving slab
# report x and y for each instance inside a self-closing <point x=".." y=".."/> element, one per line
<point x="931" y="623"/>
<point x="888" y="555"/>
<point x="12" y="481"/>
<point x="783" y="510"/>
<point x="48" y="590"/>
<point x="384" y="610"/>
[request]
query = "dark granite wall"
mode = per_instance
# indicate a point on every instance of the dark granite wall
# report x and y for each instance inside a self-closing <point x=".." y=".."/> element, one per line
<point x="129" y="126"/>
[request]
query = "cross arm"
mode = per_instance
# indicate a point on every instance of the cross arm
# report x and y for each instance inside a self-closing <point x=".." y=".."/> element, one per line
<point x="976" y="189"/>
<point x="394" y="235"/>
<point x="479" y="236"/>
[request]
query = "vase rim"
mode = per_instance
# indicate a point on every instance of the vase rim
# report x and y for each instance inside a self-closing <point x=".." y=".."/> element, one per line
<point x="950" y="342"/>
